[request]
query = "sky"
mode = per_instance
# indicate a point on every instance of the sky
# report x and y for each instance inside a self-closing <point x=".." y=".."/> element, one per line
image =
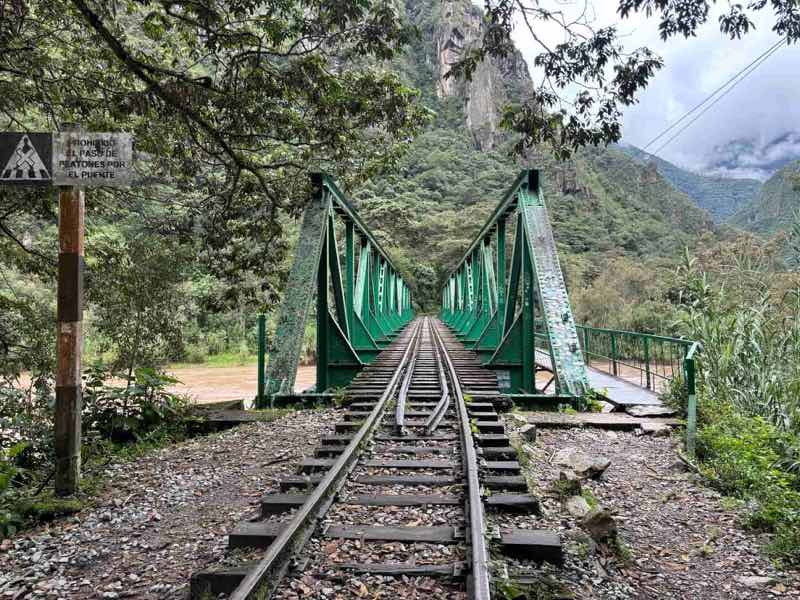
<point x="744" y="134"/>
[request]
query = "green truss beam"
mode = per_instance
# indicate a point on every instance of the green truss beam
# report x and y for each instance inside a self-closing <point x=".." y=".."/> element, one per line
<point x="516" y="315"/>
<point x="362" y="302"/>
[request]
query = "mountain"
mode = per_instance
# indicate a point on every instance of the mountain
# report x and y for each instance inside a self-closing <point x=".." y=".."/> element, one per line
<point x="774" y="207"/>
<point x="603" y="203"/>
<point x="448" y="28"/>
<point x="755" y="158"/>
<point x="720" y="196"/>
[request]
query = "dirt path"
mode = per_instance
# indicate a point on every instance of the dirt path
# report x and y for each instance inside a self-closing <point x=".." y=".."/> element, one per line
<point x="681" y="540"/>
<point x="161" y="516"/>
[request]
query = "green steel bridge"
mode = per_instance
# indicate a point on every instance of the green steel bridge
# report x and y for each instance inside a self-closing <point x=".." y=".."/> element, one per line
<point x="506" y="300"/>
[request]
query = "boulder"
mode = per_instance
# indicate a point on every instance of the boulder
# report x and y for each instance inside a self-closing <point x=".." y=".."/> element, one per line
<point x="655" y="429"/>
<point x="577" y="506"/>
<point x="650" y="410"/>
<point x="754" y="581"/>
<point x="580" y="543"/>
<point x="581" y="463"/>
<point x="599" y="524"/>
<point x="528" y="433"/>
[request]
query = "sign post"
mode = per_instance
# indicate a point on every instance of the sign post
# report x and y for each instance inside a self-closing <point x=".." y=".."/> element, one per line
<point x="70" y="159"/>
<point x="69" y="344"/>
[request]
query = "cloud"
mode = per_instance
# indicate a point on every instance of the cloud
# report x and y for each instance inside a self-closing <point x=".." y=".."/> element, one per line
<point x="745" y="158"/>
<point x="763" y="108"/>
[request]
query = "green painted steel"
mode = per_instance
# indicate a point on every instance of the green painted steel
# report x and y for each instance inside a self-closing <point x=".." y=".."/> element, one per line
<point x="262" y="351"/>
<point x="360" y="306"/>
<point x="494" y="306"/>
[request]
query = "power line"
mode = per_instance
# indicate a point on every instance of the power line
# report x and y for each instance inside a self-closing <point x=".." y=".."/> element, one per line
<point x="754" y="63"/>
<point x="744" y="74"/>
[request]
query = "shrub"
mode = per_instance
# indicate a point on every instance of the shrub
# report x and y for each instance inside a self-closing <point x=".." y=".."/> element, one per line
<point x="10" y="519"/>
<point x="744" y="457"/>
<point x="26" y="417"/>
<point x="125" y="413"/>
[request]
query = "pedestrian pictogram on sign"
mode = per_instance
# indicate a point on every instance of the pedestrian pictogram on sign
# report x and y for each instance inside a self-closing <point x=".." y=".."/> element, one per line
<point x="26" y="158"/>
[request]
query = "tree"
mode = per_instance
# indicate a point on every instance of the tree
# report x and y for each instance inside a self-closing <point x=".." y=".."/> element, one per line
<point x="594" y="61"/>
<point x="231" y="104"/>
<point x="136" y="295"/>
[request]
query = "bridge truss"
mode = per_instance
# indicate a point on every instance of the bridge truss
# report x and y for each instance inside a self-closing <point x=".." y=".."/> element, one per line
<point x="516" y="314"/>
<point x="361" y="302"/>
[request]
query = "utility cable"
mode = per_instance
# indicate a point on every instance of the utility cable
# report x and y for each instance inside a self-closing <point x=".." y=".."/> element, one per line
<point x="759" y="59"/>
<point x="744" y="74"/>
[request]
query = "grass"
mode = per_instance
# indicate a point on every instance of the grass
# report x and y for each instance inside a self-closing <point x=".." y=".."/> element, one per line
<point x="224" y="359"/>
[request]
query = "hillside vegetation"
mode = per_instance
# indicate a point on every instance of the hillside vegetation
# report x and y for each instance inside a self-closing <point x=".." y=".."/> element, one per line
<point x="774" y="207"/>
<point x="720" y="196"/>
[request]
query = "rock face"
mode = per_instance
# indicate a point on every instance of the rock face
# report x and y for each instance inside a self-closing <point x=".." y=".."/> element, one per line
<point x="459" y="26"/>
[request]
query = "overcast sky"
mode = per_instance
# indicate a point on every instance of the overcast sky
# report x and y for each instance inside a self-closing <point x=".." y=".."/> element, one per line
<point x="764" y="106"/>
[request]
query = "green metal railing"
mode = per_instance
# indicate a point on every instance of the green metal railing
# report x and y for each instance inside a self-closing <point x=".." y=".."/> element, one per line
<point x="654" y="360"/>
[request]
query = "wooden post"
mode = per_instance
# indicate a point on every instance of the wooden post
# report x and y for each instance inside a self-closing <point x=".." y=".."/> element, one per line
<point x="69" y="343"/>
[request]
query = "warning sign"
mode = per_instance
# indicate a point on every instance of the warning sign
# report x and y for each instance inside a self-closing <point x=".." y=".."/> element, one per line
<point x="26" y="158"/>
<point x="92" y="159"/>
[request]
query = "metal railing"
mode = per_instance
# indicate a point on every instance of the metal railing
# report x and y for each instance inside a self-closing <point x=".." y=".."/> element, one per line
<point x="652" y="361"/>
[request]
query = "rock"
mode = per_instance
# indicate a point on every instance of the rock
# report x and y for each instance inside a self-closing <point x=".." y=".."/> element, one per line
<point x="650" y="410"/>
<point x="577" y="506"/>
<point x="517" y="419"/>
<point x="528" y="432"/>
<point x="581" y="541"/>
<point x="459" y="28"/>
<point x="754" y="581"/>
<point x="581" y="463"/>
<point x="600" y="525"/>
<point x="655" y="429"/>
<point x="605" y="407"/>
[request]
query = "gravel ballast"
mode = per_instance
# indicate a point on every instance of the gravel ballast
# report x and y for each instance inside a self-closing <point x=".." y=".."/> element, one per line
<point x="162" y="516"/>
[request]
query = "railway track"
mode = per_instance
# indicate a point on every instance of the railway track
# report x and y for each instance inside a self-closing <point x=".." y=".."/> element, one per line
<point x="401" y="495"/>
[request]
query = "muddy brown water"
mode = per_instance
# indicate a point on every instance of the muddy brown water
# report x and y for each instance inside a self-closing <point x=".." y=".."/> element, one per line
<point x="216" y="384"/>
<point x="206" y="384"/>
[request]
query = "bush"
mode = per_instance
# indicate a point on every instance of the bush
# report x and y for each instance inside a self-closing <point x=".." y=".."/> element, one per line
<point x="745" y="457"/>
<point x="125" y="413"/>
<point x="26" y="417"/>
<point x="10" y="519"/>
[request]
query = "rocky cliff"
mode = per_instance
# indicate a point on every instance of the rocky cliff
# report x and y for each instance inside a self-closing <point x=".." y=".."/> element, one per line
<point x="450" y="28"/>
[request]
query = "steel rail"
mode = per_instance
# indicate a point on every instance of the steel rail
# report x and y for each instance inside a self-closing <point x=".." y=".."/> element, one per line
<point x="480" y="589"/>
<point x="400" y="408"/>
<point x="261" y="582"/>
<point x="441" y="408"/>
